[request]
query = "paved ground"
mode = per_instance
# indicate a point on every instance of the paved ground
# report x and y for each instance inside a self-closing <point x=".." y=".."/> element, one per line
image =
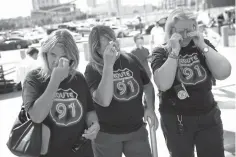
<point x="224" y="93"/>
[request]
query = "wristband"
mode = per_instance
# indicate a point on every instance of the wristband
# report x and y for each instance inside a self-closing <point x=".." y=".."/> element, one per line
<point x="173" y="55"/>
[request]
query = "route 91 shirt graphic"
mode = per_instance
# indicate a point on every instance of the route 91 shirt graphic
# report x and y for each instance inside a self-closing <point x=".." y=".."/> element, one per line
<point x="66" y="109"/>
<point x="125" y="86"/>
<point x="190" y="71"/>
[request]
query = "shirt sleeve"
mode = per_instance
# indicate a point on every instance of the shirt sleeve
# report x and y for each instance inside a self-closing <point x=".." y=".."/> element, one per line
<point x="90" y="101"/>
<point x="146" y="53"/>
<point x="31" y="90"/>
<point x="158" y="58"/>
<point x="90" y="106"/>
<point x="92" y="77"/>
<point x="210" y="44"/>
<point x="143" y="74"/>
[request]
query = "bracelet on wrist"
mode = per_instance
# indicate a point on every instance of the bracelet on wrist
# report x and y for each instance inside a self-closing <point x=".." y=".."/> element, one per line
<point x="173" y="56"/>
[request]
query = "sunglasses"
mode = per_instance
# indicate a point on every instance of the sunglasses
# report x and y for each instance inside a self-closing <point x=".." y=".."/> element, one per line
<point x="184" y="26"/>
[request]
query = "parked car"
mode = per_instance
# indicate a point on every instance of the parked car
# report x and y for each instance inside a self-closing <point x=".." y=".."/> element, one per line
<point x="14" y="43"/>
<point x="77" y="36"/>
<point x="162" y="23"/>
<point x="35" y="36"/>
<point x="19" y="34"/>
<point x="84" y="29"/>
<point x="121" y="31"/>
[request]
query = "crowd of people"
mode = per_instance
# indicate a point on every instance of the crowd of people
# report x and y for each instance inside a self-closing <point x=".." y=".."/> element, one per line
<point x="109" y="105"/>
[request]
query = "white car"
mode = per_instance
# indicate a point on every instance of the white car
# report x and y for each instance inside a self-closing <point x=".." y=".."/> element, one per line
<point x="77" y="36"/>
<point x="121" y="31"/>
<point x="35" y="36"/>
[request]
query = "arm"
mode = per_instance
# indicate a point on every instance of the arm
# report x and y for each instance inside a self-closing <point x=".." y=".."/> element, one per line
<point x="104" y="93"/>
<point x="150" y="96"/>
<point x="39" y="111"/>
<point x="219" y="66"/>
<point x="40" y="107"/>
<point x="165" y="75"/>
<point x="91" y="118"/>
<point x="165" y="71"/>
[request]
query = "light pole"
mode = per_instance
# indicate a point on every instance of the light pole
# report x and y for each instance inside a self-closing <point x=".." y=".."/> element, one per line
<point x="144" y="7"/>
<point x="196" y="5"/>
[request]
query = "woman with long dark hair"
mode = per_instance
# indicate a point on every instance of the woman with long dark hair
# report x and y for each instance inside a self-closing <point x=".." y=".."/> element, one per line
<point x="117" y="81"/>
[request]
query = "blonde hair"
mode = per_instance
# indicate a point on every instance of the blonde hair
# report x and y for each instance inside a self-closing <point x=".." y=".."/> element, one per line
<point x="175" y="15"/>
<point x="65" y="40"/>
<point x="96" y="59"/>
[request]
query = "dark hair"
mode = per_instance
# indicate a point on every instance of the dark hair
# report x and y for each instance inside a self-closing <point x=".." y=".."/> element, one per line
<point x="49" y="31"/>
<point x="138" y="36"/>
<point x="32" y="50"/>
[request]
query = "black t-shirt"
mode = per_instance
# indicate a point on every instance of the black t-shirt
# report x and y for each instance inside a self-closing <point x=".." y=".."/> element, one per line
<point x="125" y="113"/>
<point x="194" y="73"/>
<point x="66" y="119"/>
<point x="142" y="54"/>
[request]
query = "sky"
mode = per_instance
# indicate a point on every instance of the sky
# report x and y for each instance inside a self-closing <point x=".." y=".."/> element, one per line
<point x="15" y="8"/>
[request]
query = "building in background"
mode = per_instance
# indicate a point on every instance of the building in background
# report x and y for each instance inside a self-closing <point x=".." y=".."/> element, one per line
<point x="172" y="4"/>
<point x="38" y="4"/>
<point x="52" y="11"/>
<point x="91" y="3"/>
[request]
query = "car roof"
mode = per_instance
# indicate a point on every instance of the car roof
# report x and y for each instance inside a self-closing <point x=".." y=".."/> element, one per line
<point x="16" y="38"/>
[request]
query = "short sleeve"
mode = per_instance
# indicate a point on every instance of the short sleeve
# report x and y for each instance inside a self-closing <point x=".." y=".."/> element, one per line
<point x="143" y="74"/>
<point x="146" y="53"/>
<point x="158" y="58"/>
<point x="90" y="106"/>
<point x="90" y="101"/>
<point x="92" y="77"/>
<point x="210" y="44"/>
<point x="31" y="90"/>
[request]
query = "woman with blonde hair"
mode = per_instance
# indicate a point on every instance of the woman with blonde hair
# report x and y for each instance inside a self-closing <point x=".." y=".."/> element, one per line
<point x="57" y="96"/>
<point x="183" y="69"/>
<point x="117" y="81"/>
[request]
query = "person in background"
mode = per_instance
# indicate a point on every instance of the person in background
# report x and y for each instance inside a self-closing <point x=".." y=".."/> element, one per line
<point x="183" y="69"/>
<point x="27" y="64"/>
<point x="117" y="82"/>
<point x="157" y="36"/>
<point x="58" y="96"/>
<point x="142" y="53"/>
<point x="140" y="25"/>
<point x="221" y="20"/>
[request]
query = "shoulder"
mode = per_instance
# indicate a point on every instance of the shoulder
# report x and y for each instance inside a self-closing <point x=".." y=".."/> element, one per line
<point x="79" y="75"/>
<point x="134" y="49"/>
<point x="80" y="78"/>
<point x="34" y="75"/>
<point x="146" y="49"/>
<point x="159" y="50"/>
<point x="131" y="58"/>
<point x="89" y="67"/>
<point x="90" y="72"/>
